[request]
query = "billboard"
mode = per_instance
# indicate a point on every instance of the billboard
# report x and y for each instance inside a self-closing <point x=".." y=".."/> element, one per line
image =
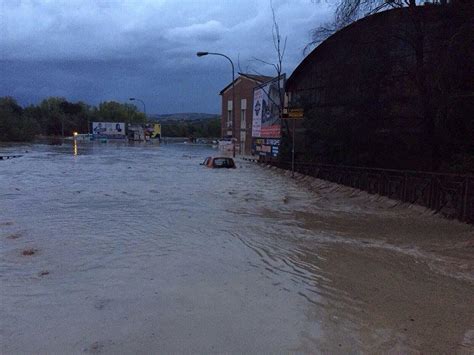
<point x="108" y="129"/>
<point x="266" y="120"/>
<point x="144" y="131"/>
<point x="267" y="147"/>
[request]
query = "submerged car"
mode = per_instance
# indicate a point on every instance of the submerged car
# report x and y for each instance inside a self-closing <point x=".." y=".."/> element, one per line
<point x="219" y="162"/>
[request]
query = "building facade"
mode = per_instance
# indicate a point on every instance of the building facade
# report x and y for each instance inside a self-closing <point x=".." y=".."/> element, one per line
<point x="244" y="86"/>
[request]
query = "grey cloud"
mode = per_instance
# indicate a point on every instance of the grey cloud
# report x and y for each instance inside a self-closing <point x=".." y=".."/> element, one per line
<point x="210" y="31"/>
<point x="100" y="50"/>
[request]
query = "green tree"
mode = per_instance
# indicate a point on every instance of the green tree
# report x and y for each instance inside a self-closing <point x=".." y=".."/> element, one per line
<point x="112" y="111"/>
<point x="200" y="129"/>
<point x="14" y="125"/>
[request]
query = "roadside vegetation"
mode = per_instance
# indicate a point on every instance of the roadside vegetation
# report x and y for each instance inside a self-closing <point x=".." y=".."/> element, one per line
<point x="55" y="116"/>
<point x="207" y="128"/>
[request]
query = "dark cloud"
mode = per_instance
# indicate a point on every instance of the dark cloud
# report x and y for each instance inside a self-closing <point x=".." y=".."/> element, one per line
<point x="111" y="50"/>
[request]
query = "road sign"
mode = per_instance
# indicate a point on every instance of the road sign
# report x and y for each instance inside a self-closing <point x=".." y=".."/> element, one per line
<point x="295" y="113"/>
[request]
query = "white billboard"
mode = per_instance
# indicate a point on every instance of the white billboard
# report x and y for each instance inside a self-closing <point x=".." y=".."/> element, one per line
<point x="266" y="120"/>
<point x="257" y="112"/>
<point x="109" y="129"/>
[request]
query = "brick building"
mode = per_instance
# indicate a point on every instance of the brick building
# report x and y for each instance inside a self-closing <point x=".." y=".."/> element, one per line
<point x="244" y="85"/>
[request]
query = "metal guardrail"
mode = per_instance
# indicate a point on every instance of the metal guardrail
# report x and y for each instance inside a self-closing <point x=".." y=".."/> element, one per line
<point x="448" y="194"/>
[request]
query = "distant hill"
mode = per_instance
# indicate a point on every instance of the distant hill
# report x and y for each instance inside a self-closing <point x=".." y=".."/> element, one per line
<point x="193" y="116"/>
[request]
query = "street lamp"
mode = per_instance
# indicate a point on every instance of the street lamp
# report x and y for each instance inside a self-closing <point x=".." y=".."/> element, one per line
<point x="144" y="107"/>
<point x="202" y="54"/>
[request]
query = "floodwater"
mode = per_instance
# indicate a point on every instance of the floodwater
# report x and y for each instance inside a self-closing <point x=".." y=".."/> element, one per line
<point x="139" y="249"/>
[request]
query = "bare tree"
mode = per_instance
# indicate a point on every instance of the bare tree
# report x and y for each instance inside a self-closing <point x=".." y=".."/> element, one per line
<point x="279" y="44"/>
<point x="348" y="11"/>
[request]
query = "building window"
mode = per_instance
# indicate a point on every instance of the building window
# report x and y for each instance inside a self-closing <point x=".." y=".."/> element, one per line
<point x="229" y="113"/>
<point x="243" y="110"/>
<point x="229" y="118"/>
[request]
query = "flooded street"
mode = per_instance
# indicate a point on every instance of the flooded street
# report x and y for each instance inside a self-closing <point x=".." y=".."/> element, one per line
<point x="139" y="249"/>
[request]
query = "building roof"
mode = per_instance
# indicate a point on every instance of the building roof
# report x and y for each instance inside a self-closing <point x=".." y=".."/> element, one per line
<point x="328" y="43"/>
<point x="258" y="79"/>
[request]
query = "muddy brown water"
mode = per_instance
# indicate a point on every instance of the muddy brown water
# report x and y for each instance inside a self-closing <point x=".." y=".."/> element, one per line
<point x="146" y="251"/>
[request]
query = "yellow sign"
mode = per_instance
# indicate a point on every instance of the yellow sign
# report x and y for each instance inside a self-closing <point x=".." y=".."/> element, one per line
<point x="156" y="131"/>
<point x="295" y="113"/>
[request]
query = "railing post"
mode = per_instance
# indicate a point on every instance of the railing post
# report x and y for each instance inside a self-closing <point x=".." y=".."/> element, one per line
<point x="379" y="188"/>
<point x="405" y="188"/>
<point x="431" y="197"/>
<point x="464" y="205"/>
<point x="436" y="193"/>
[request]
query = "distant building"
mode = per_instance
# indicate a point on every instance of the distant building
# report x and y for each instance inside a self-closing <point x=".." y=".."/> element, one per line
<point x="244" y="85"/>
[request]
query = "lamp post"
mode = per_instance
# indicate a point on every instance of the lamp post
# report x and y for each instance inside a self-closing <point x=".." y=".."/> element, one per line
<point x="144" y="107"/>
<point x="202" y="54"/>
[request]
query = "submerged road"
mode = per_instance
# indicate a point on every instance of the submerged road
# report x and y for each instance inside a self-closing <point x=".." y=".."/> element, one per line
<point x="139" y="249"/>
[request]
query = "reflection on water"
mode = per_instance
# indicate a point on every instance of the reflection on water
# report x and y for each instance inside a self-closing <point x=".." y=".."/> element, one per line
<point x="138" y="248"/>
<point x="74" y="145"/>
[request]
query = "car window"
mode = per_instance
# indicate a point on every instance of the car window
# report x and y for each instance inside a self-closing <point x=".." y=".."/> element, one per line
<point x="220" y="162"/>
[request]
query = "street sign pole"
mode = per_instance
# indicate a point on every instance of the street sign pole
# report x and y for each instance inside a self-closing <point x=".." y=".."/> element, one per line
<point x="294" y="114"/>
<point x="293" y="151"/>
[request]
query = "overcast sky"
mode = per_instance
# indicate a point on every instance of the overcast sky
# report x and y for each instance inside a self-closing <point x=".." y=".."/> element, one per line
<point x="93" y="50"/>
